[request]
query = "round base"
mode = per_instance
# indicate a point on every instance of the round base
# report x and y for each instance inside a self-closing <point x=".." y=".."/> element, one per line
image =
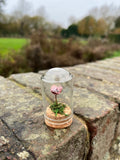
<point x="58" y="125"/>
<point x="59" y="121"/>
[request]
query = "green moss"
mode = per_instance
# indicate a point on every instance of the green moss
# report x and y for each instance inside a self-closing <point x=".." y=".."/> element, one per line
<point x="58" y="108"/>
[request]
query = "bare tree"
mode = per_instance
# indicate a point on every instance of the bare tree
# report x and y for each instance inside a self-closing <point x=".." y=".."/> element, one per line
<point x="21" y="11"/>
<point x="23" y="8"/>
<point x="2" y="2"/>
<point x="105" y="11"/>
<point x="108" y="12"/>
<point x="41" y="11"/>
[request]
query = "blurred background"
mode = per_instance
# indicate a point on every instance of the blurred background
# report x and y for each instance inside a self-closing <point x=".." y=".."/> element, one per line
<point x="41" y="34"/>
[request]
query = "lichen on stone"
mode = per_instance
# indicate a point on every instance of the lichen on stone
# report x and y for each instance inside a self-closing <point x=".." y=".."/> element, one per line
<point x="23" y="155"/>
<point x="3" y="141"/>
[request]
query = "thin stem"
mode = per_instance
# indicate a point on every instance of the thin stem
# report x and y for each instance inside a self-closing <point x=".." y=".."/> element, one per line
<point x="56" y="98"/>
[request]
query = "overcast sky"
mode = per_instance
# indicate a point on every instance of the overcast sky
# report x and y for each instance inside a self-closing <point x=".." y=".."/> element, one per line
<point x="60" y="11"/>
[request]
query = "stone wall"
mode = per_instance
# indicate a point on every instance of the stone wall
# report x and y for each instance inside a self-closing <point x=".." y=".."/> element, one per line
<point x="95" y="132"/>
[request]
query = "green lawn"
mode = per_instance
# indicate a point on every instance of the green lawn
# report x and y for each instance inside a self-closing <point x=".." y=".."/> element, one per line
<point x="116" y="54"/>
<point x="7" y="45"/>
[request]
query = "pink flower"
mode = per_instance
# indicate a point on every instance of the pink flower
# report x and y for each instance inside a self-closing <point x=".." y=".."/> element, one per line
<point x="56" y="89"/>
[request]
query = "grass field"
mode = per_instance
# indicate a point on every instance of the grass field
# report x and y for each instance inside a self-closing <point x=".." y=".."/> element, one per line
<point x="116" y="54"/>
<point x="7" y="45"/>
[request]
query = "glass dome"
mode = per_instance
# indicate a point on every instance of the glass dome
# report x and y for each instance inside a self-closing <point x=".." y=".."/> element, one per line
<point x="57" y="92"/>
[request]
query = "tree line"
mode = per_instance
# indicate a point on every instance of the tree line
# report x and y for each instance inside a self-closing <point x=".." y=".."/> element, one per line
<point x="99" y="22"/>
<point x="89" y="26"/>
<point x="22" y="23"/>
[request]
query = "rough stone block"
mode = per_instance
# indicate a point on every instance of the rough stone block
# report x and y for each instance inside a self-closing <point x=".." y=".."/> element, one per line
<point x="10" y="147"/>
<point x="21" y="110"/>
<point x="15" y="99"/>
<point x="115" y="67"/>
<point x="116" y="60"/>
<point x="118" y="126"/>
<point x="97" y="111"/>
<point x="110" y="90"/>
<point x="114" y="152"/>
<point x="70" y="143"/>
<point x="30" y="79"/>
<point x="96" y="73"/>
<point x="101" y="117"/>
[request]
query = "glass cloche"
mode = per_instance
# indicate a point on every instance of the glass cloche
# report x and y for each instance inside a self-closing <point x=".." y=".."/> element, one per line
<point x="57" y="92"/>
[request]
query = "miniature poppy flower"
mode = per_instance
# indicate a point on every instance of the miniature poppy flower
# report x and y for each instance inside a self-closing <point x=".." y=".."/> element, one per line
<point x="56" y="89"/>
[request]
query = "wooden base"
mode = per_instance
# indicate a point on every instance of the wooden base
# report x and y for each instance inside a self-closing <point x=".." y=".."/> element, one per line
<point x="59" y="121"/>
